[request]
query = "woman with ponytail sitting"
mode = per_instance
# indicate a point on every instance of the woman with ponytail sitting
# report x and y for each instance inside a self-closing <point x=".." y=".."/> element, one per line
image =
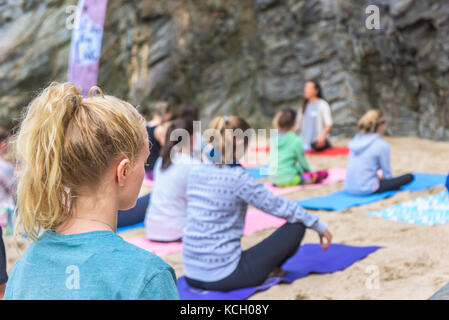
<point x="218" y="195"/>
<point x="83" y="160"/>
<point x="166" y="214"/>
<point x="369" y="154"/>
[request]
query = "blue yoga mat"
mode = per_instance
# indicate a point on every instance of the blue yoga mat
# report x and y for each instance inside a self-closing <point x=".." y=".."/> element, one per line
<point x="256" y="173"/>
<point x="134" y="226"/>
<point x="341" y="200"/>
<point x="310" y="258"/>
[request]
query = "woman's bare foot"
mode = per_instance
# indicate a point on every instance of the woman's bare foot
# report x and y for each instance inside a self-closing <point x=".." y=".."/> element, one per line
<point x="276" y="273"/>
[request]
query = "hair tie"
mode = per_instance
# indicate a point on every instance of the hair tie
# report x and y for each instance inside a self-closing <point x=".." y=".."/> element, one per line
<point x="226" y="119"/>
<point x="95" y="89"/>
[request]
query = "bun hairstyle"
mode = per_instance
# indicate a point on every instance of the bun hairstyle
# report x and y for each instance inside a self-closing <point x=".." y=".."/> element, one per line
<point x="66" y="142"/>
<point x="371" y="121"/>
<point x="170" y="144"/>
<point x="226" y="127"/>
<point x="285" y="119"/>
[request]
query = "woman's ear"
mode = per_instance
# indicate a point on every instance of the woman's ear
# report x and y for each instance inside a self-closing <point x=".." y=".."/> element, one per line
<point x="123" y="171"/>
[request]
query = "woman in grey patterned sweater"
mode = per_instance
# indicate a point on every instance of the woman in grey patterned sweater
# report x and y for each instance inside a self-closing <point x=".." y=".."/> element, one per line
<point x="218" y="194"/>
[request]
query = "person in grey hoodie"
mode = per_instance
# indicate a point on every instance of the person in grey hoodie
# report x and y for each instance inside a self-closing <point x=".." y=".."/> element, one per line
<point x="368" y="154"/>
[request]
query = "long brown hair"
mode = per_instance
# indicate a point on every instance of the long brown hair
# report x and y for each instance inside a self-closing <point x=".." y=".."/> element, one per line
<point x="319" y="94"/>
<point x="170" y="144"/>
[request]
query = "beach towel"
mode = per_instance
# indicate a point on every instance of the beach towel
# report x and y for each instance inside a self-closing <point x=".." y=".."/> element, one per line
<point x="310" y="258"/>
<point x="255" y="221"/>
<point x="341" y="200"/>
<point x="425" y="211"/>
<point x="330" y="152"/>
<point x="335" y="175"/>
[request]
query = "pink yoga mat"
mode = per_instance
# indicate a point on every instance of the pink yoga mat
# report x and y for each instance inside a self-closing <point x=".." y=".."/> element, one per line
<point x="256" y="220"/>
<point x="335" y="175"/>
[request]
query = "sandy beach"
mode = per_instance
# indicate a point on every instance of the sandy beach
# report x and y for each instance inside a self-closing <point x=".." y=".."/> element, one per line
<point x="413" y="263"/>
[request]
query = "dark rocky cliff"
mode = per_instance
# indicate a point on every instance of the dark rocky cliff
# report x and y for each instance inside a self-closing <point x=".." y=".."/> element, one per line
<point x="247" y="57"/>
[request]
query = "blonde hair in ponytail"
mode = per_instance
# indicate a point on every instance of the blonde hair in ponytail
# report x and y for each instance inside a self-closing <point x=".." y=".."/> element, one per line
<point x="228" y="129"/>
<point x="66" y="142"/>
<point x="370" y="122"/>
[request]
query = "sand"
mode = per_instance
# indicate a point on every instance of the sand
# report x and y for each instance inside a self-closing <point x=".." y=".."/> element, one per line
<point x="414" y="262"/>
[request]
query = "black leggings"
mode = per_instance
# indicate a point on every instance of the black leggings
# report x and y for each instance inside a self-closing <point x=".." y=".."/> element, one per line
<point x="259" y="261"/>
<point x="326" y="146"/>
<point x="3" y="273"/>
<point x="395" y="183"/>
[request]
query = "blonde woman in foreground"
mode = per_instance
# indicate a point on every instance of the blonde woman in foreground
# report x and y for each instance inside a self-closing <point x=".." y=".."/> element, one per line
<point x="369" y="153"/>
<point x="83" y="160"/>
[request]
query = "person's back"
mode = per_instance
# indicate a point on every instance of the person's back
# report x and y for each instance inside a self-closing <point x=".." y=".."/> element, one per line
<point x="96" y="265"/>
<point x="290" y="159"/>
<point x="368" y="152"/>
<point x="288" y="163"/>
<point x="166" y="213"/>
<point x="218" y="196"/>
<point x="82" y="161"/>
<point x="215" y="220"/>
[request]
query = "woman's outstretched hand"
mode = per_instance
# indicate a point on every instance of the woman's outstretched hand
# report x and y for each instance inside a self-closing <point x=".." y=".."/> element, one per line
<point x="328" y="236"/>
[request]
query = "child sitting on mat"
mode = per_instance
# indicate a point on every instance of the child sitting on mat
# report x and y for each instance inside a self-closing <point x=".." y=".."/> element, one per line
<point x="368" y="154"/>
<point x="218" y="195"/>
<point x="83" y="160"/>
<point x="289" y="166"/>
<point x="164" y="215"/>
<point x="167" y="211"/>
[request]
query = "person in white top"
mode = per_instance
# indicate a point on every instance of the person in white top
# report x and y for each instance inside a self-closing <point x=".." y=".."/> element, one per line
<point x="166" y="213"/>
<point x="314" y="118"/>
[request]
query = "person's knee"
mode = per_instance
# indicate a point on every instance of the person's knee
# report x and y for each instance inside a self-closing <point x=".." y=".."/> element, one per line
<point x="296" y="232"/>
<point x="409" y="177"/>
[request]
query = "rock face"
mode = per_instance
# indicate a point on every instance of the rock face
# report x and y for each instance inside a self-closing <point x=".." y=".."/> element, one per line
<point x="246" y="57"/>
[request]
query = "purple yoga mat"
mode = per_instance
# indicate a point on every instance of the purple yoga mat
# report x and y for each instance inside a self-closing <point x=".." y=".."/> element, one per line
<point x="310" y="258"/>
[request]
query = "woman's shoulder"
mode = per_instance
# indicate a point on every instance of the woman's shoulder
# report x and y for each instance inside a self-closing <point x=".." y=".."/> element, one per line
<point x="381" y="143"/>
<point x="134" y="257"/>
<point x="323" y="103"/>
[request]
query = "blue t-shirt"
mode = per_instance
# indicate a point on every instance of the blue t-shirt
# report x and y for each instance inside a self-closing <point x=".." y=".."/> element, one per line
<point x="96" y="265"/>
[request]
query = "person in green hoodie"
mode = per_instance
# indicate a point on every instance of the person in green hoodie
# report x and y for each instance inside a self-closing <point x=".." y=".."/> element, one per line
<point x="289" y="166"/>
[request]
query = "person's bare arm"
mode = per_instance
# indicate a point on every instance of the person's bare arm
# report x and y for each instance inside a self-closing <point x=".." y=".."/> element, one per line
<point x="321" y="140"/>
